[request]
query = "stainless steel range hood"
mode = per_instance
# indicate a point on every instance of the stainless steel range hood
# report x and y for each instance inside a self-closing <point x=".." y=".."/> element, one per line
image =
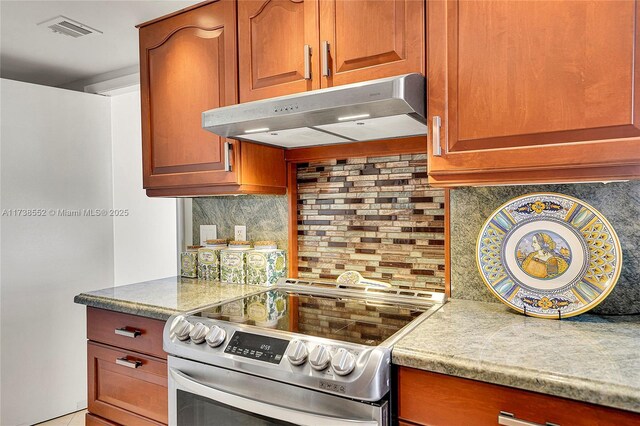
<point x="391" y="107"/>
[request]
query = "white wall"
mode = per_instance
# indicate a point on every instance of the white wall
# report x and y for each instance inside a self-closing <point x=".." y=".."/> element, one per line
<point x="56" y="154"/>
<point x="62" y="149"/>
<point x="144" y="241"/>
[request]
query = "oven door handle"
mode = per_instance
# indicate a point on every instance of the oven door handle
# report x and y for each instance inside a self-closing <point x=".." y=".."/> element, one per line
<point x="254" y="406"/>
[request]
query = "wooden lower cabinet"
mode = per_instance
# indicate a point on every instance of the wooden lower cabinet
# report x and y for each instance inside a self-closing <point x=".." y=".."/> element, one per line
<point x="91" y="420"/>
<point x="127" y="374"/>
<point x="426" y="398"/>
<point x="128" y="331"/>
<point x="404" y="423"/>
<point x="123" y="393"/>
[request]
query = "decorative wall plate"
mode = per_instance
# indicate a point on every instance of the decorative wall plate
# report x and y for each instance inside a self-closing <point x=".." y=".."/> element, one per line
<point x="549" y="255"/>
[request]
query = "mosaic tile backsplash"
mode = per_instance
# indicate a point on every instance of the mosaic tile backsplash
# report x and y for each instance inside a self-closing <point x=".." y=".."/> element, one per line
<point x="619" y="202"/>
<point x="375" y="215"/>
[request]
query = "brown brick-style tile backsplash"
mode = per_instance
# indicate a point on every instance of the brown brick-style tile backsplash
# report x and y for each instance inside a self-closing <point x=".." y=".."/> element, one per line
<point x="375" y="215"/>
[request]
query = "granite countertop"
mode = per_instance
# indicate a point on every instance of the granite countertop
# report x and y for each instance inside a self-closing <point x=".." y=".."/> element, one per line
<point x="162" y="298"/>
<point x="588" y="358"/>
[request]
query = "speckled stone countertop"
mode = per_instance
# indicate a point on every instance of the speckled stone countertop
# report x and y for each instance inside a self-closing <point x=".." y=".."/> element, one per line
<point x="162" y="298"/>
<point x="588" y="358"/>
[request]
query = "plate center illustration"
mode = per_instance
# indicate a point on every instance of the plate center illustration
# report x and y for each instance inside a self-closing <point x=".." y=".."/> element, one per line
<point x="543" y="254"/>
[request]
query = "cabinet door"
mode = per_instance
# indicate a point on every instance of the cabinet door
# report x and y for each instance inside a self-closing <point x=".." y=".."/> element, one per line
<point x="517" y="83"/>
<point x="371" y="39"/>
<point x="427" y="398"/>
<point x="272" y="35"/>
<point x="187" y="66"/>
<point x="126" y="387"/>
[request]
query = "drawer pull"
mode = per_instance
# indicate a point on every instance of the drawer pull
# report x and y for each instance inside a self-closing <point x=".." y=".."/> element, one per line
<point x="307" y="62"/>
<point x="227" y="156"/>
<point x="435" y="137"/>
<point x="509" y="419"/>
<point x="128" y="333"/>
<point x="326" y="70"/>
<point x="128" y="363"/>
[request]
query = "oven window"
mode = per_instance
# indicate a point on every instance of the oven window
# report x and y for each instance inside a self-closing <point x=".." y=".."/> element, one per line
<point x="195" y="410"/>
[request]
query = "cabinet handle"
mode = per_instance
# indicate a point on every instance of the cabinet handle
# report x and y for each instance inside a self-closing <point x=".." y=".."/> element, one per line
<point x="127" y="363"/>
<point x="508" y="419"/>
<point x="128" y="333"/>
<point x="326" y="71"/>
<point x="227" y="156"/>
<point x="435" y="136"/>
<point x="307" y="62"/>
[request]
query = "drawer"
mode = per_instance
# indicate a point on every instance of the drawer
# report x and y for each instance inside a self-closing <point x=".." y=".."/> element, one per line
<point x="427" y="398"/>
<point x="126" y="331"/>
<point x="126" y="387"/>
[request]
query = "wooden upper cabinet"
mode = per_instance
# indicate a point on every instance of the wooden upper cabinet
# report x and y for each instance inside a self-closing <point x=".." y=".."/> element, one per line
<point x="371" y="39"/>
<point x="272" y="35"/>
<point x="367" y="39"/>
<point x="531" y="91"/>
<point x="188" y="65"/>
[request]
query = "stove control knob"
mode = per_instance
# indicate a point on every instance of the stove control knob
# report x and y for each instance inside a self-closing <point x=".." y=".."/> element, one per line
<point x="297" y="352"/>
<point x="319" y="358"/>
<point x="343" y="362"/>
<point x="181" y="328"/>
<point x="198" y="333"/>
<point x="216" y="336"/>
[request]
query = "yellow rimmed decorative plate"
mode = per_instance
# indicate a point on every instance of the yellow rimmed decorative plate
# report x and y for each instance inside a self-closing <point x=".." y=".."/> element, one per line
<point x="549" y="254"/>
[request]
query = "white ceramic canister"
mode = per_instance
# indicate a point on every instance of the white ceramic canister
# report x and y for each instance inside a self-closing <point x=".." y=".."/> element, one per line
<point x="232" y="260"/>
<point x="265" y="264"/>
<point x="189" y="262"/>
<point x="209" y="259"/>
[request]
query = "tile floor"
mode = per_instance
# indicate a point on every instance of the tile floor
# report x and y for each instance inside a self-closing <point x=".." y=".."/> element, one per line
<point x="73" y="419"/>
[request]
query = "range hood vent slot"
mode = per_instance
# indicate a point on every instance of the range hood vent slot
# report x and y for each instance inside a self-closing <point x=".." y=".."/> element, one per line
<point x="387" y="108"/>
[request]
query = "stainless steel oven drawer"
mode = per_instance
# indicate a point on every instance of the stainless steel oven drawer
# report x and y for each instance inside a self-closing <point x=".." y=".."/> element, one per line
<point x="202" y="394"/>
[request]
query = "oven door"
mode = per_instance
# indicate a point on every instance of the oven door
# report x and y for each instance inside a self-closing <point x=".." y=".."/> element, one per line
<point x="201" y="394"/>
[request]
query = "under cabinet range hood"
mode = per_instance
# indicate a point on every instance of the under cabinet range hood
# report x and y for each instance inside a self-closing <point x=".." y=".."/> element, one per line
<point x="387" y="108"/>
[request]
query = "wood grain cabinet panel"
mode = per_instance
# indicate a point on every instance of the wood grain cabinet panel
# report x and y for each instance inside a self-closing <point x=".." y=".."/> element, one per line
<point x="126" y="395"/>
<point x="371" y="39"/>
<point x="427" y="398"/>
<point x="91" y="420"/>
<point x="188" y="65"/>
<point x="368" y="39"/>
<point x="533" y="91"/>
<point x="127" y="331"/>
<point x="272" y="35"/>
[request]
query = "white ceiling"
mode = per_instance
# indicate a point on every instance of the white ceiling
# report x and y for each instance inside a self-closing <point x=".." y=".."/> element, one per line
<point x="37" y="55"/>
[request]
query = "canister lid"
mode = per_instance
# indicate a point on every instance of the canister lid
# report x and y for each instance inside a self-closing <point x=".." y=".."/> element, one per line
<point x="216" y="242"/>
<point x="193" y="247"/>
<point x="261" y="245"/>
<point x="240" y="244"/>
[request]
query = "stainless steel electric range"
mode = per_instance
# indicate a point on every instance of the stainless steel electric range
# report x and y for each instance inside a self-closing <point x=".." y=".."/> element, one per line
<point x="301" y="352"/>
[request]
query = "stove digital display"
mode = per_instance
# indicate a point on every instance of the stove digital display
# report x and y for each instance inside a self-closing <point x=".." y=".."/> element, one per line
<point x="258" y="347"/>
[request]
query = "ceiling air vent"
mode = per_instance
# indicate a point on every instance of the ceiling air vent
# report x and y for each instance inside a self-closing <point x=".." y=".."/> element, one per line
<point x="63" y="25"/>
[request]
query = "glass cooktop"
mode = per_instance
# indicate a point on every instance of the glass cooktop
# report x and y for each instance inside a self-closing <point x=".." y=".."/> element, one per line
<point x="348" y="319"/>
